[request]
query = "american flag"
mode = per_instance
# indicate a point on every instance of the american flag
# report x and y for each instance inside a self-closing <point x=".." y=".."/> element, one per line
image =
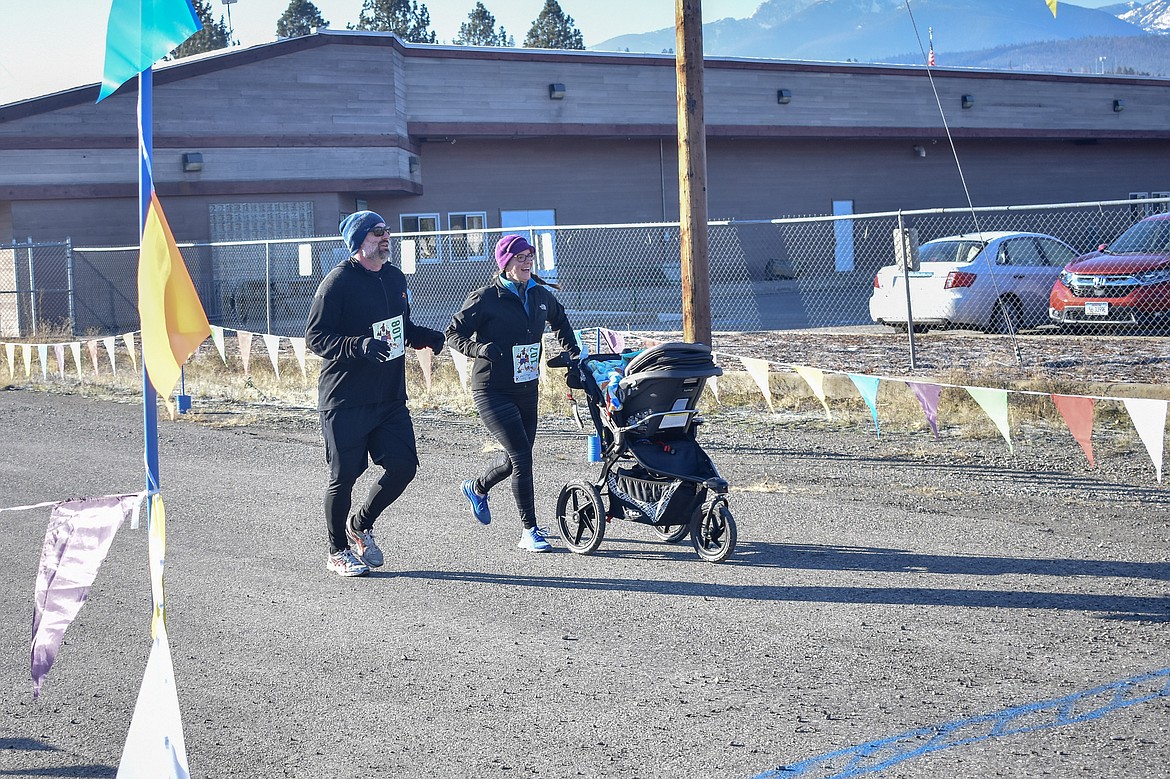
<point x="930" y="56"/>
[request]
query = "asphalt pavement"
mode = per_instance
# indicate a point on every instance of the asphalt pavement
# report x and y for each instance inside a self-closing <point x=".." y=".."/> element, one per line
<point x="951" y="608"/>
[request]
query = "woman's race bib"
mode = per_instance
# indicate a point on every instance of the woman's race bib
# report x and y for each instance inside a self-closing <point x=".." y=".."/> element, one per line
<point x="525" y="362"/>
<point x="391" y="331"/>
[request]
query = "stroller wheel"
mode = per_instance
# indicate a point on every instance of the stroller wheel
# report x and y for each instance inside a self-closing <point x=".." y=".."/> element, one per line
<point x="581" y="517"/>
<point x="713" y="535"/>
<point x="672" y="534"/>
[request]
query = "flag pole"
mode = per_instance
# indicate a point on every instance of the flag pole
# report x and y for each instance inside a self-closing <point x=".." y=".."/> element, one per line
<point x="145" y="187"/>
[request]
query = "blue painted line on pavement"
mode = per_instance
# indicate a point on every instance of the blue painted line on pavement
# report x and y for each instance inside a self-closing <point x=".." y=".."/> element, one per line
<point x="877" y="755"/>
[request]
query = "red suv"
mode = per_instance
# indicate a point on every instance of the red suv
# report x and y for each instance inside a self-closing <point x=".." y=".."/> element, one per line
<point x="1124" y="283"/>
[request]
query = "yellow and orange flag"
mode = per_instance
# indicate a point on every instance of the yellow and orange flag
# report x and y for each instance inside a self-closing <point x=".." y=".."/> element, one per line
<point x="173" y="320"/>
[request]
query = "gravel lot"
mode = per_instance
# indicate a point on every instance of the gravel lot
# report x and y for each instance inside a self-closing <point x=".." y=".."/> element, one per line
<point x="879" y="586"/>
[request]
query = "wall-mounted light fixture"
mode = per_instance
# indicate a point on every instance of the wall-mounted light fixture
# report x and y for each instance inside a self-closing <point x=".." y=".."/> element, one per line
<point x="783" y="96"/>
<point x="556" y="91"/>
<point x="192" y="162"/>
<point x="968" y="101"/>
<point x="919" y="151"/>
<point x="1118" y="106"/>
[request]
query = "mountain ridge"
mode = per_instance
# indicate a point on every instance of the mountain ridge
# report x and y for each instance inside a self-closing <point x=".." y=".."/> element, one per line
<point x="883" y="31"/>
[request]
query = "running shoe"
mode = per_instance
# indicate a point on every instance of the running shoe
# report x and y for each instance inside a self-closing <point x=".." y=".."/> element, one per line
<point x="479" y="504"/>
<point x="346" y="563"/>
<point x="363" y="545"/>
<point x="532" y="540"/>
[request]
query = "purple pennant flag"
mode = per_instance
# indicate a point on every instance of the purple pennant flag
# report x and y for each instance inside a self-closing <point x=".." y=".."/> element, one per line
<point x="616" y="340"/>
<point x="927" y="395"/>
<point x="77" y="539"/>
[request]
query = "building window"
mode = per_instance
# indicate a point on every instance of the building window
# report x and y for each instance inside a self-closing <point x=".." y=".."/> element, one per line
<point x="426" y="247"/>
<point x="1158" y="208"/>
<point x="470" y="245"/>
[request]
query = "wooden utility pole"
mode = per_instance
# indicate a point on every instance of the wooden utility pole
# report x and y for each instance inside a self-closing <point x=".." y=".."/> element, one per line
<point x="692" y="172"/>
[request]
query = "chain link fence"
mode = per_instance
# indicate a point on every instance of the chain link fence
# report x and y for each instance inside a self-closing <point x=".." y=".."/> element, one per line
<point x="781" y="274"/>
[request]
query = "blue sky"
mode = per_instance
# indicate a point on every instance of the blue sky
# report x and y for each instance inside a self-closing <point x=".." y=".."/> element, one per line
<point x="34" y="62"/>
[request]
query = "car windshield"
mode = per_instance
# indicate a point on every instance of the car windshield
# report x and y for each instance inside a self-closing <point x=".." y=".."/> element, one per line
<point x="949" y="251"/>
<point x="1150" y="237"/>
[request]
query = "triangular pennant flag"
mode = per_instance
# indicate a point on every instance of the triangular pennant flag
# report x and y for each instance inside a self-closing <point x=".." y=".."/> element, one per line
<point x="77" y="539"/>
<point x="245" y="340"/>
<point x="713" y="385"/>
<point x="994" y="403"/>
<point x="10" y="352"/>
<point x="141" y="32"/>
<point x="26" y="353"/>
<point x="298" y="347"/>
<point x="75" y="348"/>
<point x="868" y="387"/>
<point x="172" y="316"/>
<point x="616" y="340"/>
<point x="128" y="339"/>
<point x="460" y="367"/>
<point x="928" y="395"/>
<point x="92" y="347"/>
<point x="43" y="355"/>
<point x="426" y="360"/>
<point x="1052" y="7"/>
<point x="758" y="370"/>
<point x="217" y="338"/>
<point x="155" y="746"/>
<point x="542" y="370"/>
<point x="1149" y="417"/>
<point x="108" y="342"/>
<point x="59" y="352"/>
<point x="272" y="342"/>
<point x="815" y="378"/>
<point x="1078" y="415"/>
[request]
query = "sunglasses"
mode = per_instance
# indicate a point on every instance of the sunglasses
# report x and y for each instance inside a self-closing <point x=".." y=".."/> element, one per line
<point x="379" y="231"/>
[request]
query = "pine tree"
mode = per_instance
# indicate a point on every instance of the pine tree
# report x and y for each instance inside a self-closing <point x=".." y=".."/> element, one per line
<point x="553" y="29"/>
<point x="300" y="18"/>
<point x="409" y="20"/>
<point x="480" y="30"/>
<point x="212" y="37"/>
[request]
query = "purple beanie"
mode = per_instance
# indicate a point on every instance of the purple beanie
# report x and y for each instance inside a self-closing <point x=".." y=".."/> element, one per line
<point x="355" y="227"/>
<point x="509" y="246"/>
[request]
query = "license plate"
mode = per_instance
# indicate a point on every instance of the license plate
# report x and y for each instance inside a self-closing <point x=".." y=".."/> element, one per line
<point x="1098" y="308"/>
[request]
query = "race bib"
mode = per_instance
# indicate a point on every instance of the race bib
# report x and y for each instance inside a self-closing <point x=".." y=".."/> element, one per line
<point x="525" y="362"/>
<point x="391" y="331"/>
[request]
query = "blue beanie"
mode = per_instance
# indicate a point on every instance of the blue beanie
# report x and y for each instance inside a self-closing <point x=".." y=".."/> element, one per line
<point x="356" y="226"/>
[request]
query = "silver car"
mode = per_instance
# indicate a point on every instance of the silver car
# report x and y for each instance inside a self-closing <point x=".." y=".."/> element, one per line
<point x="992" y="281"/>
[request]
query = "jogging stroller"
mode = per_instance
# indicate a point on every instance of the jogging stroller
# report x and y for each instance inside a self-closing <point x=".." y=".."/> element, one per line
<point x="653" y="471"/>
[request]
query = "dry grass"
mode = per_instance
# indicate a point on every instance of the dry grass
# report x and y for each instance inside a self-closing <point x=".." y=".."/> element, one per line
<point x="207" y="376"/>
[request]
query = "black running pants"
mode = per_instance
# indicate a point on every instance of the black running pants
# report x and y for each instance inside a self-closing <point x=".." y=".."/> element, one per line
<point x="510" y="416"/>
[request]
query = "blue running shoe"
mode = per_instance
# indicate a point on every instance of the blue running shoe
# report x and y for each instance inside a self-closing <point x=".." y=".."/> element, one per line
<point x="479" y="504"/>
<point x="533" y="540"/>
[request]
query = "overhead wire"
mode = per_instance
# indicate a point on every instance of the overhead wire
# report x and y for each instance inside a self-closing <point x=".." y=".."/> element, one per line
<point x="1007" y="318"/>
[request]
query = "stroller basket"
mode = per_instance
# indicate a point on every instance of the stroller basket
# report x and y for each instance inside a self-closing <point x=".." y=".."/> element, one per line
<point x="663" y="500"/>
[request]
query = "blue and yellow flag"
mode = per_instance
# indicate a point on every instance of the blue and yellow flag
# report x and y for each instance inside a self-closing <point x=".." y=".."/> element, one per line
<point x="140" y="33"/>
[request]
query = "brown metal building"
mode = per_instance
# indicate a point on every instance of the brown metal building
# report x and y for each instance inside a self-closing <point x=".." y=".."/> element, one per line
<point x="279" y="140"/>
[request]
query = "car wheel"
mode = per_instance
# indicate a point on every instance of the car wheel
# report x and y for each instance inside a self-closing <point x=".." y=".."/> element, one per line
<point x="1006" y="317"/>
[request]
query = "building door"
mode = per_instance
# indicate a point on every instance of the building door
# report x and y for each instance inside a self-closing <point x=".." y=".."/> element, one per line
<point x="543" y="240"/>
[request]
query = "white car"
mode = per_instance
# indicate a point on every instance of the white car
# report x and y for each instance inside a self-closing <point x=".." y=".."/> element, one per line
<point x="993" y="281"/>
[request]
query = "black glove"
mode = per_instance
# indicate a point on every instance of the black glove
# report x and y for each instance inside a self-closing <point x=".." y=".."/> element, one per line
<point x="437" y="341"/>
<point x="491" y="352"/>
<point x="375" y="350"/>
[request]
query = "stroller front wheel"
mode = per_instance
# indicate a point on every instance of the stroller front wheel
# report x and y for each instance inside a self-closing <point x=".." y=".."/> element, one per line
<point x="713" y="534"/>
<point x="581" y="517"/>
